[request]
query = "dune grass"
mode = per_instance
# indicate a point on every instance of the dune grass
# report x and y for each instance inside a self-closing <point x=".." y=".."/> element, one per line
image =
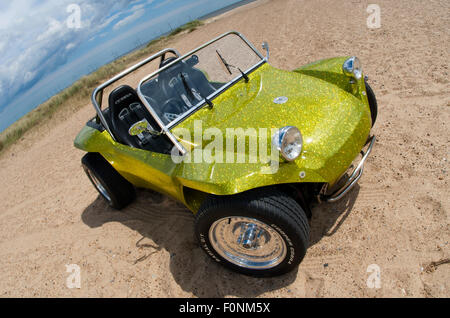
<point x="82" y="88"/>
<point x="190" y="26"/>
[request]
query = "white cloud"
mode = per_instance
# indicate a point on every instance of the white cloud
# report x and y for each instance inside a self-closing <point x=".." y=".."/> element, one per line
<point x="35" y="39"/>
<point x="137" y="7"/>
<point x="136" y="15"/>
<point x="35" y="42"/>
<point x="54" y="27"/>
<point x="70" y="46"/>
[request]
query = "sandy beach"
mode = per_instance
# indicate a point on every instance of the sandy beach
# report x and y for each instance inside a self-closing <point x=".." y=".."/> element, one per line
<point x="397" y="217"/>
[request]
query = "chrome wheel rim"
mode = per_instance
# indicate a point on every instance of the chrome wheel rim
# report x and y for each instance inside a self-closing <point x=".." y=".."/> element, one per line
<point x="247" y="242"/>
<point x="98" y="185"/>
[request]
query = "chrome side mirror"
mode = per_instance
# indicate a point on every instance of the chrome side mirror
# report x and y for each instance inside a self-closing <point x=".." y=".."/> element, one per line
<point x="265" y="46"/>
<point x="141" y="126"/>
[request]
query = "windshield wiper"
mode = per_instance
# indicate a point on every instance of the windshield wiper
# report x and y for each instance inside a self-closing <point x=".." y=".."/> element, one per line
<point x="224" y="62"/>
<point x="228" y="67"/>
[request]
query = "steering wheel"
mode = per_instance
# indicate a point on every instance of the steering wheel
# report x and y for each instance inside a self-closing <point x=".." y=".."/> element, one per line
<point x="173" y="107"/>
<point x="151" y="101"/>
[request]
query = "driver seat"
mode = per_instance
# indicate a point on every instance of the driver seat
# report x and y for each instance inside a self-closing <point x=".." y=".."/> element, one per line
<point x="126" y="109"/>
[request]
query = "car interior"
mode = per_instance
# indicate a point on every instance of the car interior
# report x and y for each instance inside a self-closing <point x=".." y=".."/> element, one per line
<point x="173" y="92"/>
<point x="178" y="88"/>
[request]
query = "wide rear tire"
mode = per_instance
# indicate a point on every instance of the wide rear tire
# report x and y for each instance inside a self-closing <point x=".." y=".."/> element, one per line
<point x="114" y="188"/>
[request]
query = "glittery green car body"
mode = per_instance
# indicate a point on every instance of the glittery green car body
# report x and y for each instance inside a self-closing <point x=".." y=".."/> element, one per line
<point x="328" y="101"/>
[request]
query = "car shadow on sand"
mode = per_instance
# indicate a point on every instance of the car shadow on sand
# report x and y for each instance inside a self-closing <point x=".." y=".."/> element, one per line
<point x="166" y="224"/>
<point x="327" y="218"/>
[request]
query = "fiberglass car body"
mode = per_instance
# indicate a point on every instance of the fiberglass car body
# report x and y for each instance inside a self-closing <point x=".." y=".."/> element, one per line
<point x="251" y="214"/>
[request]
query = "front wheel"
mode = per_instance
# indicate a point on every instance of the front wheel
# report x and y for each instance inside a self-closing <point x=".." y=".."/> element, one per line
<point x="263" y="232"/>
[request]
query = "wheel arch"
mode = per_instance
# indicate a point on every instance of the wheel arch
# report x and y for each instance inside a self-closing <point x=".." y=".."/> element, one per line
<point x="304" y="193"/>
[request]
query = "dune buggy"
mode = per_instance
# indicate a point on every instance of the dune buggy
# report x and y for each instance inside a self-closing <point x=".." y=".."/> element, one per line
<point x="245" y="146"/>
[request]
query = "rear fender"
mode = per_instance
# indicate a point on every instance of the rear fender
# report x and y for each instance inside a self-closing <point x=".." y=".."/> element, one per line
<point x="90" y="139"/>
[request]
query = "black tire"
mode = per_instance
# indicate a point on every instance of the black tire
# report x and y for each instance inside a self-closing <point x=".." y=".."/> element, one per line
<point x="372" y="103"/>
<point x="118" y="192"/>
<point x="268" y="205"/>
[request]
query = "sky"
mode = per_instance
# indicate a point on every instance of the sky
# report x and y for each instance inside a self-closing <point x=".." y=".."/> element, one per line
<point x="45" y="45"/>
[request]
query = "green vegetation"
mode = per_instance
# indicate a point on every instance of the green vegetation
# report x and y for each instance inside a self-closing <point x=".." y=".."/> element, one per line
<point x="77" y="95"/>
<point x="190" y="26"/>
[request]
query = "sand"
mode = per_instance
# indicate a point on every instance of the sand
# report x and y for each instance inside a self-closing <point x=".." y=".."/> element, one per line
<point x="397" y="217"/>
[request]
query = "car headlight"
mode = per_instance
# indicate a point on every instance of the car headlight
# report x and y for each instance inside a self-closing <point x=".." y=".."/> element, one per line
<point x="288" y="140"/>
<point x="352" y="68"/>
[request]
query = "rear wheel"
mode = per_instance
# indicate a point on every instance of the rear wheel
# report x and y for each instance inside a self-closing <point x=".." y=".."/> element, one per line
<point x="114" y="188"/>
<point x="263" y="232"/>
<point x="372" y="103"/>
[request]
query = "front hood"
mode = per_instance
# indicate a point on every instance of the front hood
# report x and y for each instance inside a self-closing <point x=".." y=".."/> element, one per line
<point x="334" y="123"/>
<point x="321" y="110"/>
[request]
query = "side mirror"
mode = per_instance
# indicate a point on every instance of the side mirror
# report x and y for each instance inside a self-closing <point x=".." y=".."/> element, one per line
<point x="265" y="46"/>
<point x="141" y="126"/>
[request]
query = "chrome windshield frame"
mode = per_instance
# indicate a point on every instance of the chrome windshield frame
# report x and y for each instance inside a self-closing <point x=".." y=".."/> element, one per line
<point x="166" y="128"/>
<point x="97" y="94"/>
<point x="199" y="105"/>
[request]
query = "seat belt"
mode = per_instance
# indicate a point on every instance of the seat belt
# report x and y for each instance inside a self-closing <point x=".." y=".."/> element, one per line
<point x="190" y="87"/>
<point x="125" y="116"/>
<point x="145" y="136"/>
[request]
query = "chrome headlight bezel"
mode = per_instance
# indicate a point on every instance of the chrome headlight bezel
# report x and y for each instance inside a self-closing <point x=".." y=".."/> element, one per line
<point x="352" y="68"/>
<point x="289" y="142"/>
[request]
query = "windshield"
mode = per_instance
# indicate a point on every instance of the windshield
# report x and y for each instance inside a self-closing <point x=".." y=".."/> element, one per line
<point x="174" y="92"/>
